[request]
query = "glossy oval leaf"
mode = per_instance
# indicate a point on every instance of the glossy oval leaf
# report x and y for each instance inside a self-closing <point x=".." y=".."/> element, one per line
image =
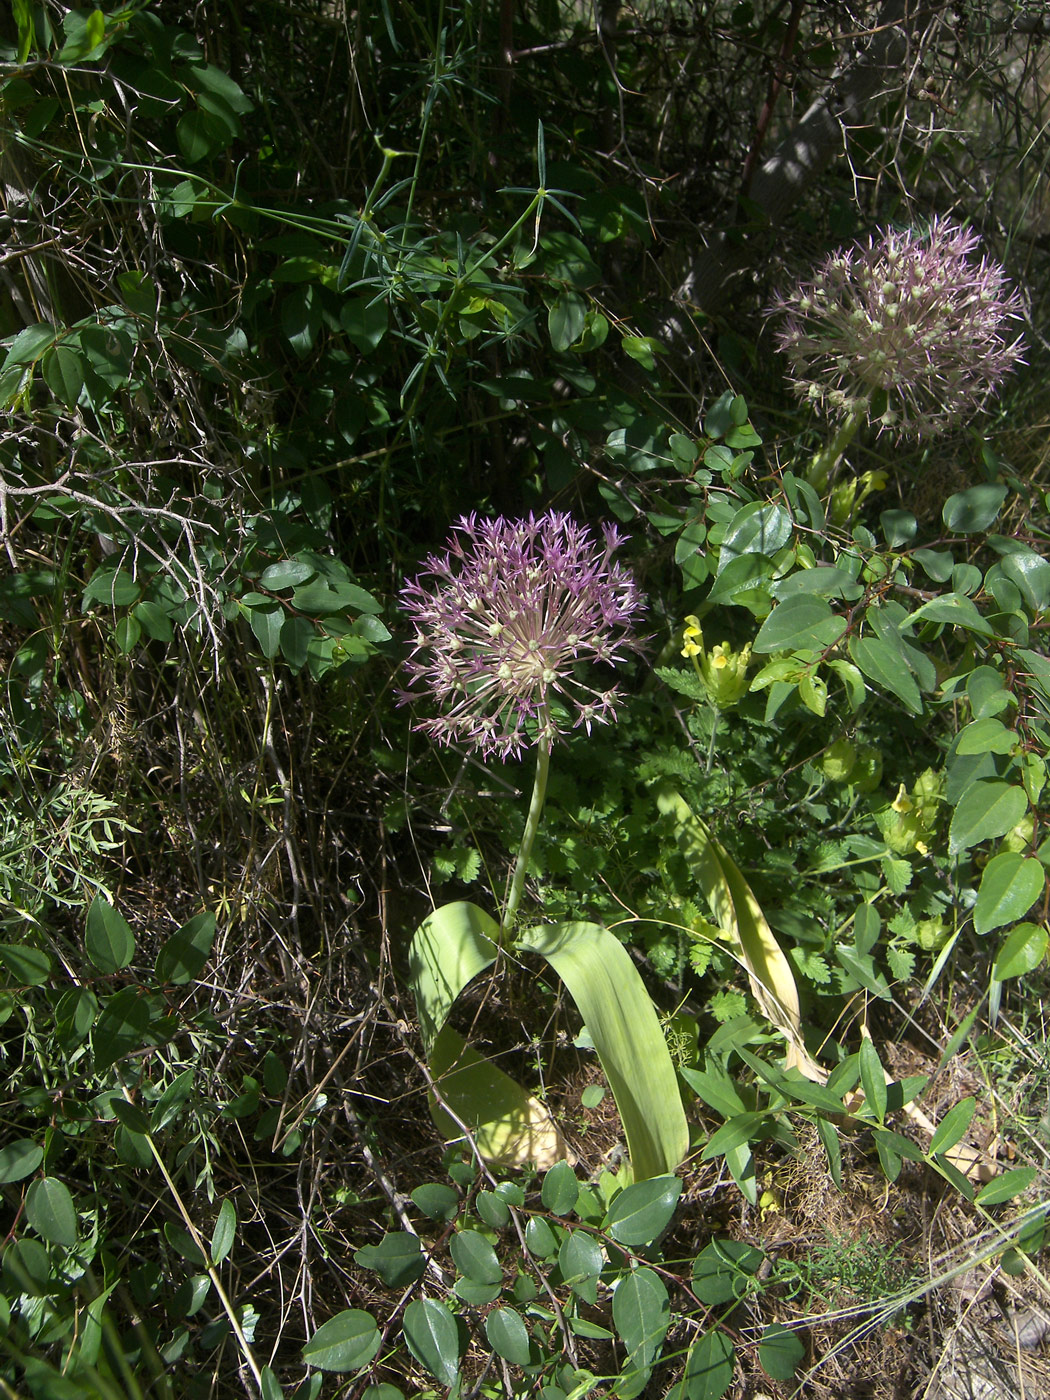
<point x="63" y="373"/>
<point x="708" y="1369"/>
<point x="986" y="735"/>
<point x="539" y="1237"/>
<point x="1021" y="953"/>
<point x="474" y="1257"/>
<point x="1031" y="574"/>
<point x="580" y="1257"/>
<point x="51" y="1212"/>
<point x="433" y="1338"/>
<point x="560" y="1189"/>
<point x="968" y="512"/>
<point x="271" y="1386"/>
<point x="436" y="1199"/>
<point x="884" y="665"/>
<point x="641" y="1315"/>
<point x="121" y="1027"/>
<point x="19" y="1159"/>
<point x="724" y="1271"/>
<point x="398" y="1259"/>
<point x="804" y="622"/>
<point x="758" y="528"/>
<point x="346" y="1343"/>
<point x="1007" y="1186"/>
<point x="953" y="1126"/>
<point x="493" y="1210"/>
<point x="641" y="1213"/>
<point x="873" y="1079"/>
<point x="184" y="955"/>
<point x="29" y="967"/>
<point x="565" y="320"/>
<point x="1010" y="885"/>
<point x="957" y="610"/>
<point x="780" y="1350"/>
<point x="130" y="1115"/>
<point x="266" y="622"/>
<point x="508" y="1336"/>
<point x="108" y="940"/>
<point x="476" y="1294"/>
<point x="985" y="811"/>
<point x="225" y="1231"/>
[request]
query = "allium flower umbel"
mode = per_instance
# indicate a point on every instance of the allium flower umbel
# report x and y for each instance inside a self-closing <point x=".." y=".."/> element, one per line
<point x="910" y="316"/>
<point x="504" y="619"/>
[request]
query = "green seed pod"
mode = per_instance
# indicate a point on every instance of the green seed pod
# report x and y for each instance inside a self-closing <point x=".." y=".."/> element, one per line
<point x="867" y="770"/>
<point x="839" y="761"/>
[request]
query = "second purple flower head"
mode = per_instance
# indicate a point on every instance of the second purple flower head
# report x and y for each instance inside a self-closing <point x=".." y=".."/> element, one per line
<point x="913" y="316"/>
<point x="503" y="621"/>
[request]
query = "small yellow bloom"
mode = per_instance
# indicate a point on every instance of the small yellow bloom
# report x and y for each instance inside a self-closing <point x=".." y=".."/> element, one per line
<point x="692" y="638"/>
<point x="723" y="671"/>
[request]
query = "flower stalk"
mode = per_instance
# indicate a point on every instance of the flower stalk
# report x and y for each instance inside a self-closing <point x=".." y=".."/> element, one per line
<point x="532" y="825"/>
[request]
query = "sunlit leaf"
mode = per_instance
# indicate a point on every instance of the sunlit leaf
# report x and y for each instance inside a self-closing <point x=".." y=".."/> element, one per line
<point x="604" y="982"/>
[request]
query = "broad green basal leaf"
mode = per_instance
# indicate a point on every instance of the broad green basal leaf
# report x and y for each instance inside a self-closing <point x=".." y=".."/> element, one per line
<point x="509" y="1127"/>
<point x="617" y="1010"/>
<point x="449" y="949"/>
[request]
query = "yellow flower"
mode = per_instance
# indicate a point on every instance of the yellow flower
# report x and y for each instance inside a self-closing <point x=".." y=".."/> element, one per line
<point x="722" y="671"/>
<point x="692" y="638"/>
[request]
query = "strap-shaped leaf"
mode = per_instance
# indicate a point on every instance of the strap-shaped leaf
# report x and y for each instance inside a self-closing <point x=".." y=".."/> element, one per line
<point x="449" y="949"/>
<point x="606" y="986"/>
<point x="509" y="1126"/>
<point x="738" y="913"/>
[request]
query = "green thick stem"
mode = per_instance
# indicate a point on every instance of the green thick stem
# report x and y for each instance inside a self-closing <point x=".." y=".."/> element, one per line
<point x="819" y="472"/>
<point x="532" y="825"/>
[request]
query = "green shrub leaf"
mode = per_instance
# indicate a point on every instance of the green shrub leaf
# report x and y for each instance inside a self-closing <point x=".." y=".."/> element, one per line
<point x="641" y="1213"/>
<point x="108" y="939"/>
<point x="1023" y="951"/>
<point x="724" y="1271"/>
<point x="1010" y="885"/>
<point x="508" y="1336"/>
<point x="185" y="954"/>
<point x="346" y="1343"/>
<point x="708" y="1369"/>
<point x="19" y="1159"/>
<point x="51" y="1212"/>
<point x="398" y="1258"/>
<point x="225" y="1231"/>
<point x="985" y="811"/>
<point x="475" y="1258"/>
<point x="780" y="1351"/>
<point x="968" y="512"/>
<point x="433" y="1338"/>
<point x="560" y="1189"/>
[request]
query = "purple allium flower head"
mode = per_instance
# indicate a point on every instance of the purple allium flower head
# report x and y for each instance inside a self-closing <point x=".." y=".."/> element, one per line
<point x="503" y="619"/>
<point x="910" y="314"/>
